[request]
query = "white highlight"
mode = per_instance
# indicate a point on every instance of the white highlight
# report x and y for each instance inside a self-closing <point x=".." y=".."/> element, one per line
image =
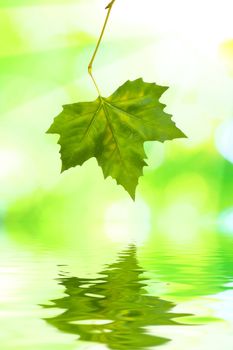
<point x="127" y="221"/>
<point x="92" y="322"/>
<point x="10" y="162"/>
<point x="224" y="140"/>
<point x="225" y="221"/>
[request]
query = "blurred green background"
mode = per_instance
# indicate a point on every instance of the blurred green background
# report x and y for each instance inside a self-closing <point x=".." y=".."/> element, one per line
<point x="44" y="53"/>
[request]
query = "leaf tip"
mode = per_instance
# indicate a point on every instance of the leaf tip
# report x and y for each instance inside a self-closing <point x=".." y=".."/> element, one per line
<point x="133" y="197"/>
<point x="131" y="192"/>
<point x="109" y="5"/>
<point x="63" y="168"/>
<point x="49" y="130"/>
<point x="182" y="135"/>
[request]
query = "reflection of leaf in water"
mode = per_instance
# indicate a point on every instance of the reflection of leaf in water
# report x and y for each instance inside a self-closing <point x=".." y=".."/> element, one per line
<point x="114" y="308"/>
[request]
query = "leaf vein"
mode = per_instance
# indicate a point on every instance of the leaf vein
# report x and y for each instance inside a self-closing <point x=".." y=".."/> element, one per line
<point x="112" y="132"/>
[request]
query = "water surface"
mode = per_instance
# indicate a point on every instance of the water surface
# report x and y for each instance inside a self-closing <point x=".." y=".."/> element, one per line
<point x="122" y="297"/>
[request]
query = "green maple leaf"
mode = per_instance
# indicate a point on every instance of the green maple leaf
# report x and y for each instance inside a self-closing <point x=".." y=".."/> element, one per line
<point x="114" y="130"/>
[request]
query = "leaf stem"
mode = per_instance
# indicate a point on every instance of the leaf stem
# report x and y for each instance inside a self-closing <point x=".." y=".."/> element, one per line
<point x="109" y="8"/>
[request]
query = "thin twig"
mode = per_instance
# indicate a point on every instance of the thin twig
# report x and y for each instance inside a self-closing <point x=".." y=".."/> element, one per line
<point x="109" y="8"/>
